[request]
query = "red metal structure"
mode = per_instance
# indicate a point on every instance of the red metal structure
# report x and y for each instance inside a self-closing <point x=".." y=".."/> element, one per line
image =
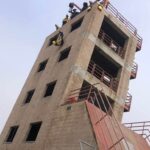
<point x="108" y="132"/>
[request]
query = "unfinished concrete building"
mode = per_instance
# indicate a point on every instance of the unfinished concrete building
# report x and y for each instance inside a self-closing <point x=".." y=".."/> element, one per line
<point x="76" y="93"/>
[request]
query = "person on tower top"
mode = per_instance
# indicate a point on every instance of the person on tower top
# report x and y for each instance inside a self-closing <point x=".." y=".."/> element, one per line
<point x="85" y="6"/>
<point x="73" y="13"/>
<point x="65" y="20"/>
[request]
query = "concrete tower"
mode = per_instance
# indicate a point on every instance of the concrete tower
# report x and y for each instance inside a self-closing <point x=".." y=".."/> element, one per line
<point x="75" y="95"/>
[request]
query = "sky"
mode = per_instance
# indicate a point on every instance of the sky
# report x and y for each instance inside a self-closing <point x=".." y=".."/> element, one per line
<point x="24" y="26"/>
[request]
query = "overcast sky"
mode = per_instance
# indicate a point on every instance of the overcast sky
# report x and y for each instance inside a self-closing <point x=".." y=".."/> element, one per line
<point x="24" y="24"/>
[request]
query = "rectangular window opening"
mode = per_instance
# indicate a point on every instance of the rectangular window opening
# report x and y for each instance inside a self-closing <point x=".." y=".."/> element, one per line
<point x="12" y="133"/>
<point x="33" y="131"/>
<point x="76" y="25"/>
<point x="64" y="54"/>
<point x="50" y="88"/>
<point x="42" y="65"/>
<point x="29" y="96"/>
<point x="104" y="68"/>
<point x="113" y="37"/>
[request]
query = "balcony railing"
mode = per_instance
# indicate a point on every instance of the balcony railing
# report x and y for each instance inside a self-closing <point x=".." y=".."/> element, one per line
<point x="111" y="43"/>
<point x="128" y="102"/>
<point x="142" y="128"/>
<point x="126" y="23"/>
<point x="134" y="71"/>
<point x="111" y="9"/>
<point x="103" y="76"/>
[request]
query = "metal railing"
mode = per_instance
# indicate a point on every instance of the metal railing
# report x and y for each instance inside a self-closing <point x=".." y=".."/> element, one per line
<point x="128" y="102"/>
<point x="134" y="70"/>
<point x="111" y="43"/>
<point x="142" y="128"/>
<point x="126" y="23"/>
<point x="111" y="9"/>
<point x="103" y="76"/>
<point x="98" y="98"/>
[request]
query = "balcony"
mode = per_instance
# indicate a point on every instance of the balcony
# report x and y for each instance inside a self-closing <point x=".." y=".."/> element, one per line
<point x="134" y="71"/>
<point x="91" y="94"/>
<point x="128" y="102"/>
<point x="103" y="76"/>
<point x="111" y="9"/>
<point x="111" y="43"/>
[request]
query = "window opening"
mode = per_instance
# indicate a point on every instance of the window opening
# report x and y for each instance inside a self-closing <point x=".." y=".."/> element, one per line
<point x="29" y="96"/>
<point x="33" y="132"/>
<point x="104" y="68"/>
<point x="49" y="89"/>
<point x="113" y="37"/>
<point x="12" y="133"/>
<point x="76" y="25"/>
<point x="42" y="65"/>
<point x="64" y="54"/>
<point x="53" y="39"/>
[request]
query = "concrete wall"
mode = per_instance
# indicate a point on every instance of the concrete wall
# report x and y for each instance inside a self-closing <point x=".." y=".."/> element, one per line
<point x="62" y="129"/>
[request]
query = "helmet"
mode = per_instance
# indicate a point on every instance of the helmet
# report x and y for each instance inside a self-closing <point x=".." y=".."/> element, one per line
<point x="71" y="5"/>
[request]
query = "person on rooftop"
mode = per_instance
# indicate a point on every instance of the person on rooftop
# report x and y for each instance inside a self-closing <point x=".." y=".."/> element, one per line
<point x="85" y="6"/>
<point x="65" y="20"/>
<point x="73" y="13"/>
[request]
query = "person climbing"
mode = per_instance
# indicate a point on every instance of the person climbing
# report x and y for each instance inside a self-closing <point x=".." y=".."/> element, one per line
<point x="57" y="27"/>
<point x="59" y="40"/>
<point x="85" y="6"/>
<point x="65" y="20"/>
